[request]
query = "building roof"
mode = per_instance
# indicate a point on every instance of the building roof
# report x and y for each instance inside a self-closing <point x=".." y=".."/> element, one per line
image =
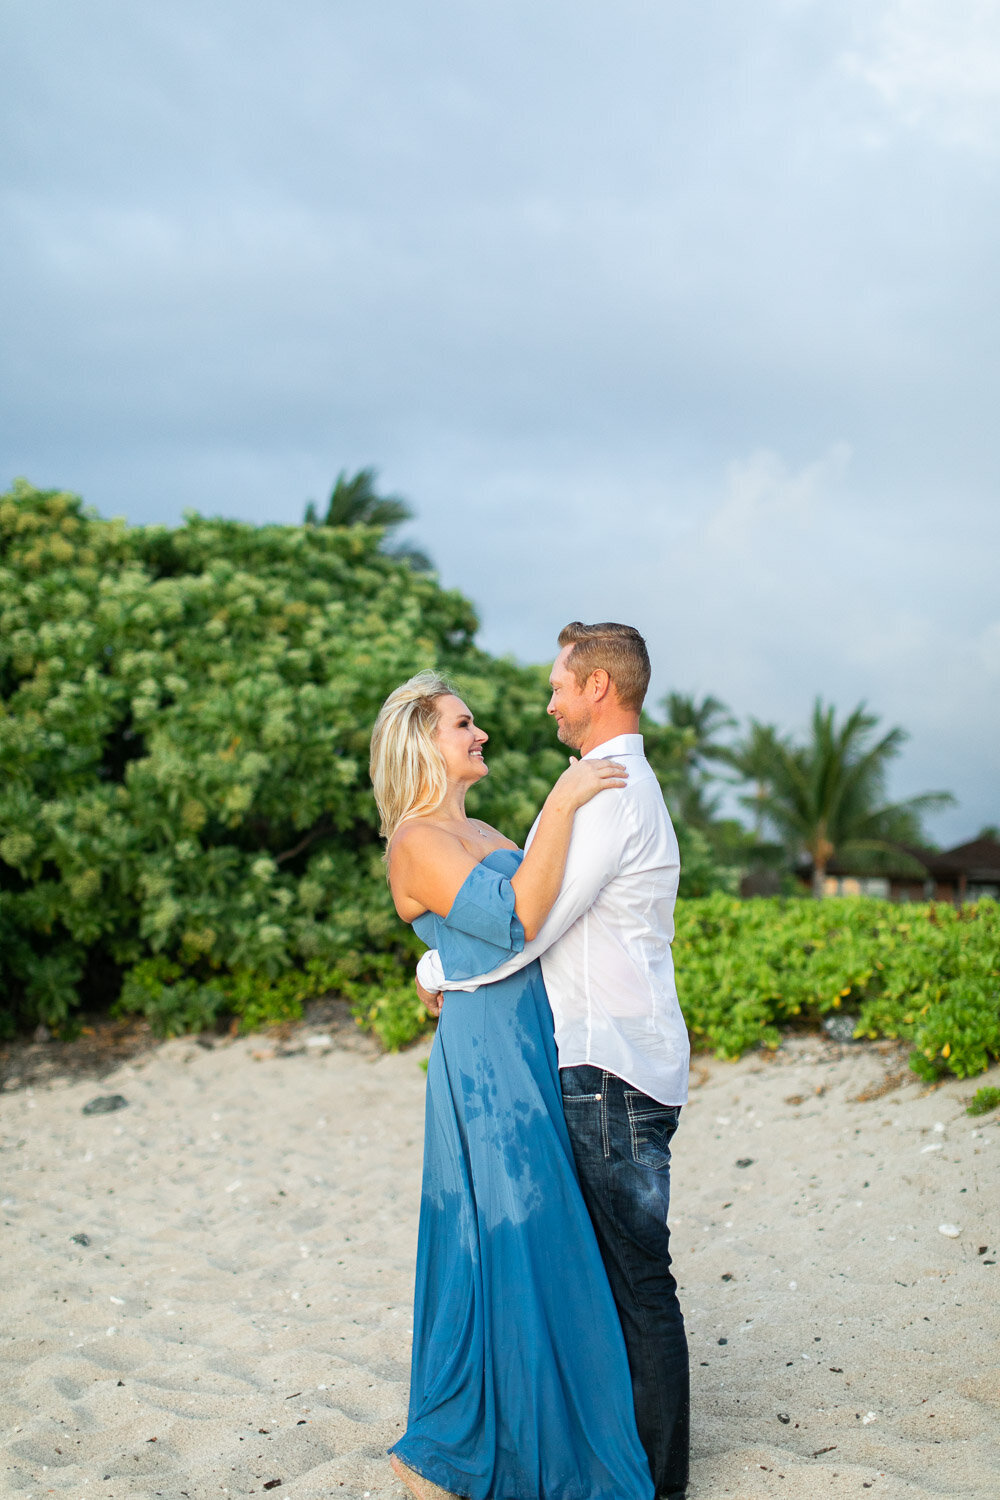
<point x="904" y="863"/>
<point x="977" y="860"/>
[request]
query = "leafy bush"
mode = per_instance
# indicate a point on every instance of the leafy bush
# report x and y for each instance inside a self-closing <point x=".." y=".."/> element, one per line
<point x="929" y="974"/>
<point x="184" y="721"/>
<point x="186" y="821"/>
<point x="746" y="970"/>
<point x="169" y="999"/>
<point x="984" y="1101"/>
<point x="187" y="828"/>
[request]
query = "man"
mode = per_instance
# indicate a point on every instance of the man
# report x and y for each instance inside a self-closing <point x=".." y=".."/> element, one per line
<point x="622" y="1044"/>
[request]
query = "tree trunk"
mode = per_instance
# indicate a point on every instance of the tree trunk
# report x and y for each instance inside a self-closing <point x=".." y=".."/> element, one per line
<point x="822" y="853"/>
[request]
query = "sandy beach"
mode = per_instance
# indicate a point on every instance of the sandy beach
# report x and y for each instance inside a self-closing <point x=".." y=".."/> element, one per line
<point x="207" y="1291"/>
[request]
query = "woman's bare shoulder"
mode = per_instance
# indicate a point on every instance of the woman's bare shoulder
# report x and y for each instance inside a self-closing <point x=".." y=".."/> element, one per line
<point x="417" y="839"/>
<point x="427" y="865"/>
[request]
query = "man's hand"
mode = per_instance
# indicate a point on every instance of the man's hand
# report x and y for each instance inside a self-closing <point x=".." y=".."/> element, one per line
<point x="431" y="1000"/>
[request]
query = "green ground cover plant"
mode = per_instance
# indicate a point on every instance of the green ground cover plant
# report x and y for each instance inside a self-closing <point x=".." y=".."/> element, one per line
<point x="929" y="974"/>
<point x="984" y="1101"/>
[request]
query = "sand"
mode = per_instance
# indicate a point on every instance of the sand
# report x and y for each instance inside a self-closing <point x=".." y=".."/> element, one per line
<point x="240" y="1313"/>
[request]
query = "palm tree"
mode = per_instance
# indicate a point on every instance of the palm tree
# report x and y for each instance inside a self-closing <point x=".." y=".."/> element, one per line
<point x="705" y="719"/>
<point x="827" y="796"/>
<point x="699" y="723"/>
<point x="753" y="758"/>
<point x="355" y="501"/>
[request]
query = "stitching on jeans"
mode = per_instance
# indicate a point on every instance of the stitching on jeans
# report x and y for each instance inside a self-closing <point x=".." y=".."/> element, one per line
<point x="632" y="1137"/>
<point x="637" y="1158"/>
<point x="605" y="1141"/>
<point x="637" y="1117"/>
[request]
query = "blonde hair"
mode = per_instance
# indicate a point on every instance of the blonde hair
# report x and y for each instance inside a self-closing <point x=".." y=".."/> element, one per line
<point x="618" y="649"/>
<point x="407" y="768"/>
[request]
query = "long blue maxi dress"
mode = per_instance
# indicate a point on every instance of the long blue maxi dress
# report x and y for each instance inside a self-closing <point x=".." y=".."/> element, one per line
<point x="520" y="1385"/>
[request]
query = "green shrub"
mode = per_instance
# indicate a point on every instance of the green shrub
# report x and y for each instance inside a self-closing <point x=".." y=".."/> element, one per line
<point x="186" y="822"/>
<point x="184" y="721"/>
<point x="928" y="974"/>
<point x="984" y="1101"/>
<point x="171" y="1001"/>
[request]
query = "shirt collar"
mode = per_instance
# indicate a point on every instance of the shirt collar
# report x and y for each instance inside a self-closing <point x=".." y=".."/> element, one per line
<point x="622" y="744"/>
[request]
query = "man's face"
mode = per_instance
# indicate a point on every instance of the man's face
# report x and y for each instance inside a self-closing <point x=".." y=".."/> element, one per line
<point x="568" y="705"/>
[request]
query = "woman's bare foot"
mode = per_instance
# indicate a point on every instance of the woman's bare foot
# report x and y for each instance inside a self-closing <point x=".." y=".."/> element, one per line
<point x="424" y="1489"/>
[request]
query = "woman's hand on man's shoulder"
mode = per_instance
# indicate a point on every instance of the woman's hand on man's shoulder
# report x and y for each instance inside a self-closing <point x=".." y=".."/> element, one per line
<point x="585" y="779"/>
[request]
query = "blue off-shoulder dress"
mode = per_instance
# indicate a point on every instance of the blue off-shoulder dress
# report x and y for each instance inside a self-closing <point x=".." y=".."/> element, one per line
<point x="520" y="1385"/>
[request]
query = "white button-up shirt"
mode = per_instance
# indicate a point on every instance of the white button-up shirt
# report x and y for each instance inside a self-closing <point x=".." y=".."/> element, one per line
<point x="605" y="945"/>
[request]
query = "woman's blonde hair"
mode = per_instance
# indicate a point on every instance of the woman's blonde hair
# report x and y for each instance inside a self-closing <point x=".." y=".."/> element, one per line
<point x="407" y="768"/>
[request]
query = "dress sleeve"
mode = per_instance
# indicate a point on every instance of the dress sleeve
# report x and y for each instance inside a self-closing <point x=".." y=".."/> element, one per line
<point x="481" y="930"/>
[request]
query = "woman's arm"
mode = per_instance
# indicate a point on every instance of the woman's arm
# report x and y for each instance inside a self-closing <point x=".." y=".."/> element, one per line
<point x="536" y="884"/>
<point x="428" y="866"/>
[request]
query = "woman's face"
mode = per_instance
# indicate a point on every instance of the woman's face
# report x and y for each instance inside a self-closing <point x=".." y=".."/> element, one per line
<point x="459" y="741"/>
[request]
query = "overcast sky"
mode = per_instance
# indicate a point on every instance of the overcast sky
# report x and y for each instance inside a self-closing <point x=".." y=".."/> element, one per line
<point x="683" y="313"/>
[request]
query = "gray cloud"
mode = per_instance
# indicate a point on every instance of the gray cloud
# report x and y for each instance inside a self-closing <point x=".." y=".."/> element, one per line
<point x="685" y="314"/>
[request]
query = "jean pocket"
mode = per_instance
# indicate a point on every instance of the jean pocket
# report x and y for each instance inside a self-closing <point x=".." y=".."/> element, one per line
<point x="651" y="1126"/>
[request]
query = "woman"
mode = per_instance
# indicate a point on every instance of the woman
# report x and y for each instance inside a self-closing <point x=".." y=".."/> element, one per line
<point x="519" y="1385"/>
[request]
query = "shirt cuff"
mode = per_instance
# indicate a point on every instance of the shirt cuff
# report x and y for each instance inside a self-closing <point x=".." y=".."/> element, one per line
<point x="429" y="971"/>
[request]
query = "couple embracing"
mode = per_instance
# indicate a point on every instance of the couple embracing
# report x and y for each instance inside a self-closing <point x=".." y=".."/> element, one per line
<point x="549" y="1354"/>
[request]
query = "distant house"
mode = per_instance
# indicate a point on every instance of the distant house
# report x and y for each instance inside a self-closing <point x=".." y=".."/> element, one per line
<point x="904" y="878"/>
<point x="968" y="872"/>
<point x="964" y="873"/>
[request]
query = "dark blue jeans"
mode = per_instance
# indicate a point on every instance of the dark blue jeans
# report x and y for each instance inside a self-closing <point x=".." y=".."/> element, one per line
<point x="621" y="1141"/>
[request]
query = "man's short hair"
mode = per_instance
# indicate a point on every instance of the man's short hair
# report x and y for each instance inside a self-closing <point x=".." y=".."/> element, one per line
<point x="618" y="649"/>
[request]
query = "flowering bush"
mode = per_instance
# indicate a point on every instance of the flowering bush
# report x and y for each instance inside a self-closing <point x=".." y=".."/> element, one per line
<point x="186" y="821"/>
